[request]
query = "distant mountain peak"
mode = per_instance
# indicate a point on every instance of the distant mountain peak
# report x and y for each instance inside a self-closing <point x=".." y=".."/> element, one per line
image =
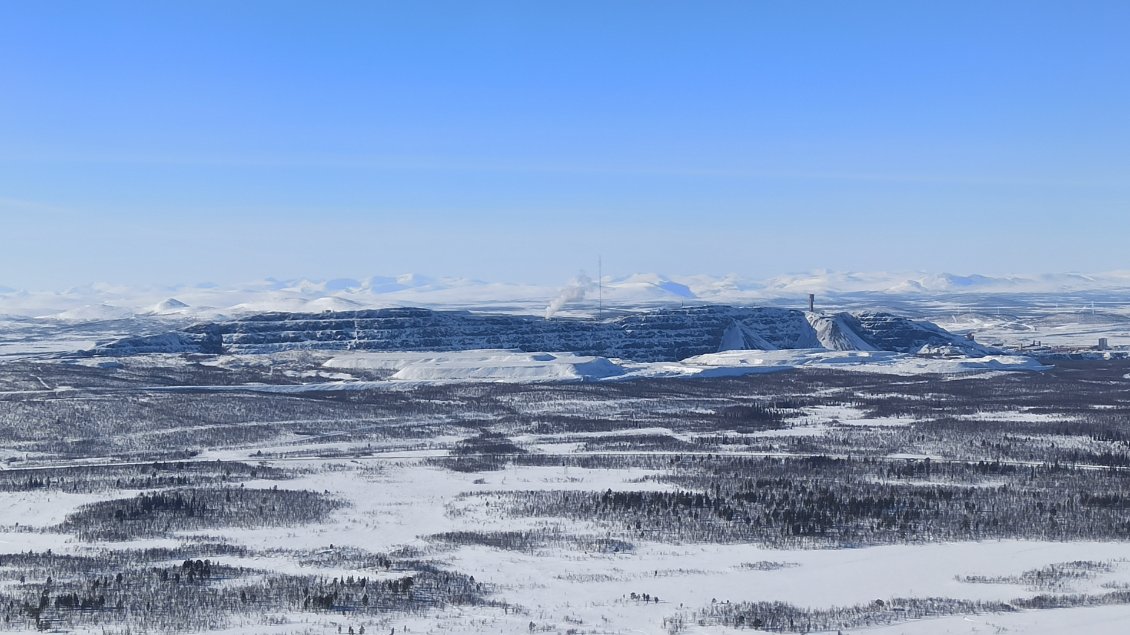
<point x="170" y="304"/>
<point x="616" y="292"/>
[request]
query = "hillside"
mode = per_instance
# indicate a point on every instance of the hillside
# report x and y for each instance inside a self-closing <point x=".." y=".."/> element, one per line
<point x="652" y="336"/>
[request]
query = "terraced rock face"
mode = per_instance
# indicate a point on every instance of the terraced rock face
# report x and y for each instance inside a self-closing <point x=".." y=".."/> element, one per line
<point x="661" y="335"/>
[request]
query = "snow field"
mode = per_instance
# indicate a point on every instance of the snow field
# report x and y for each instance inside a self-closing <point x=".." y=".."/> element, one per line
<point x="406" y="501"/>
<point x="514" y="366"/>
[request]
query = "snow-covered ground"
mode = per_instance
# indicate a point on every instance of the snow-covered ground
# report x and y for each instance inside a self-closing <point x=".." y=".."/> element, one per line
<point x="397" y="497"/>
<point x="485" y="365"/>
<point x="516" y="366"/>
<point x="561" y="587"/>
<point x="864" y="361"/>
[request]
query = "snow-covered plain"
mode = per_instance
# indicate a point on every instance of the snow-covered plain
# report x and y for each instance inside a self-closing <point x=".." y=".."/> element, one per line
<point x="562" y="586"/>
<point x="405" y="502"/>
<point x="485" y="365"/>
<point x="399" y="499"/>
<point x="516" y="366"/>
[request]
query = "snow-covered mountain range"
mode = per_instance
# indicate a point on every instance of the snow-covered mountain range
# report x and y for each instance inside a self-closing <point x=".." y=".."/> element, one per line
<point x="211" y="302"/>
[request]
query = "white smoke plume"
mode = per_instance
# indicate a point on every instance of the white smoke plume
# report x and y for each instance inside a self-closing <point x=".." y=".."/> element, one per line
<point x="574" y="292"/>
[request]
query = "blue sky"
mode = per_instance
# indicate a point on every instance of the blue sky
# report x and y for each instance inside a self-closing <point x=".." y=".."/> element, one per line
<point x="145" y="142"/>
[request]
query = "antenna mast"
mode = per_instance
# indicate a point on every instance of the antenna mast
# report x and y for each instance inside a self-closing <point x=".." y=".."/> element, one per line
<point x="599" y="288"/>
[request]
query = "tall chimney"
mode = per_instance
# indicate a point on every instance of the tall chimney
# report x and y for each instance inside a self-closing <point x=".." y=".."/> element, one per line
<point x="811" y="302"/>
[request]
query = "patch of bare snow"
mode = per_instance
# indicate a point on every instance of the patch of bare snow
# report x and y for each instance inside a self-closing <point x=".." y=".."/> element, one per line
<point x="481" y="365"/>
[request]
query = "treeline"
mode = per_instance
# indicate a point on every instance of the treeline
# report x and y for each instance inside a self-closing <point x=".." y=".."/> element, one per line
<point x="787" y="618"/>
<point x="1053" y="577"/>
<point x="158" y="474"/>
<point x="202" y="594"/>
<point x="721" y="414"/>
<point x="158" y="513"/>
<point x="533" y="540"/>
<point x="637" y="443"/>
<point x="824" y="501"/>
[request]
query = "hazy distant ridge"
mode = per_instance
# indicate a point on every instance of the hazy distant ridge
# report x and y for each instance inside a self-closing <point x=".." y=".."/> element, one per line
<point x="213" y="302"/>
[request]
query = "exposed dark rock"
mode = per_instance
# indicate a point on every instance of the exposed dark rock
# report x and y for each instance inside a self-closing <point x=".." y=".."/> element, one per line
<point x="660" y="335"/>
